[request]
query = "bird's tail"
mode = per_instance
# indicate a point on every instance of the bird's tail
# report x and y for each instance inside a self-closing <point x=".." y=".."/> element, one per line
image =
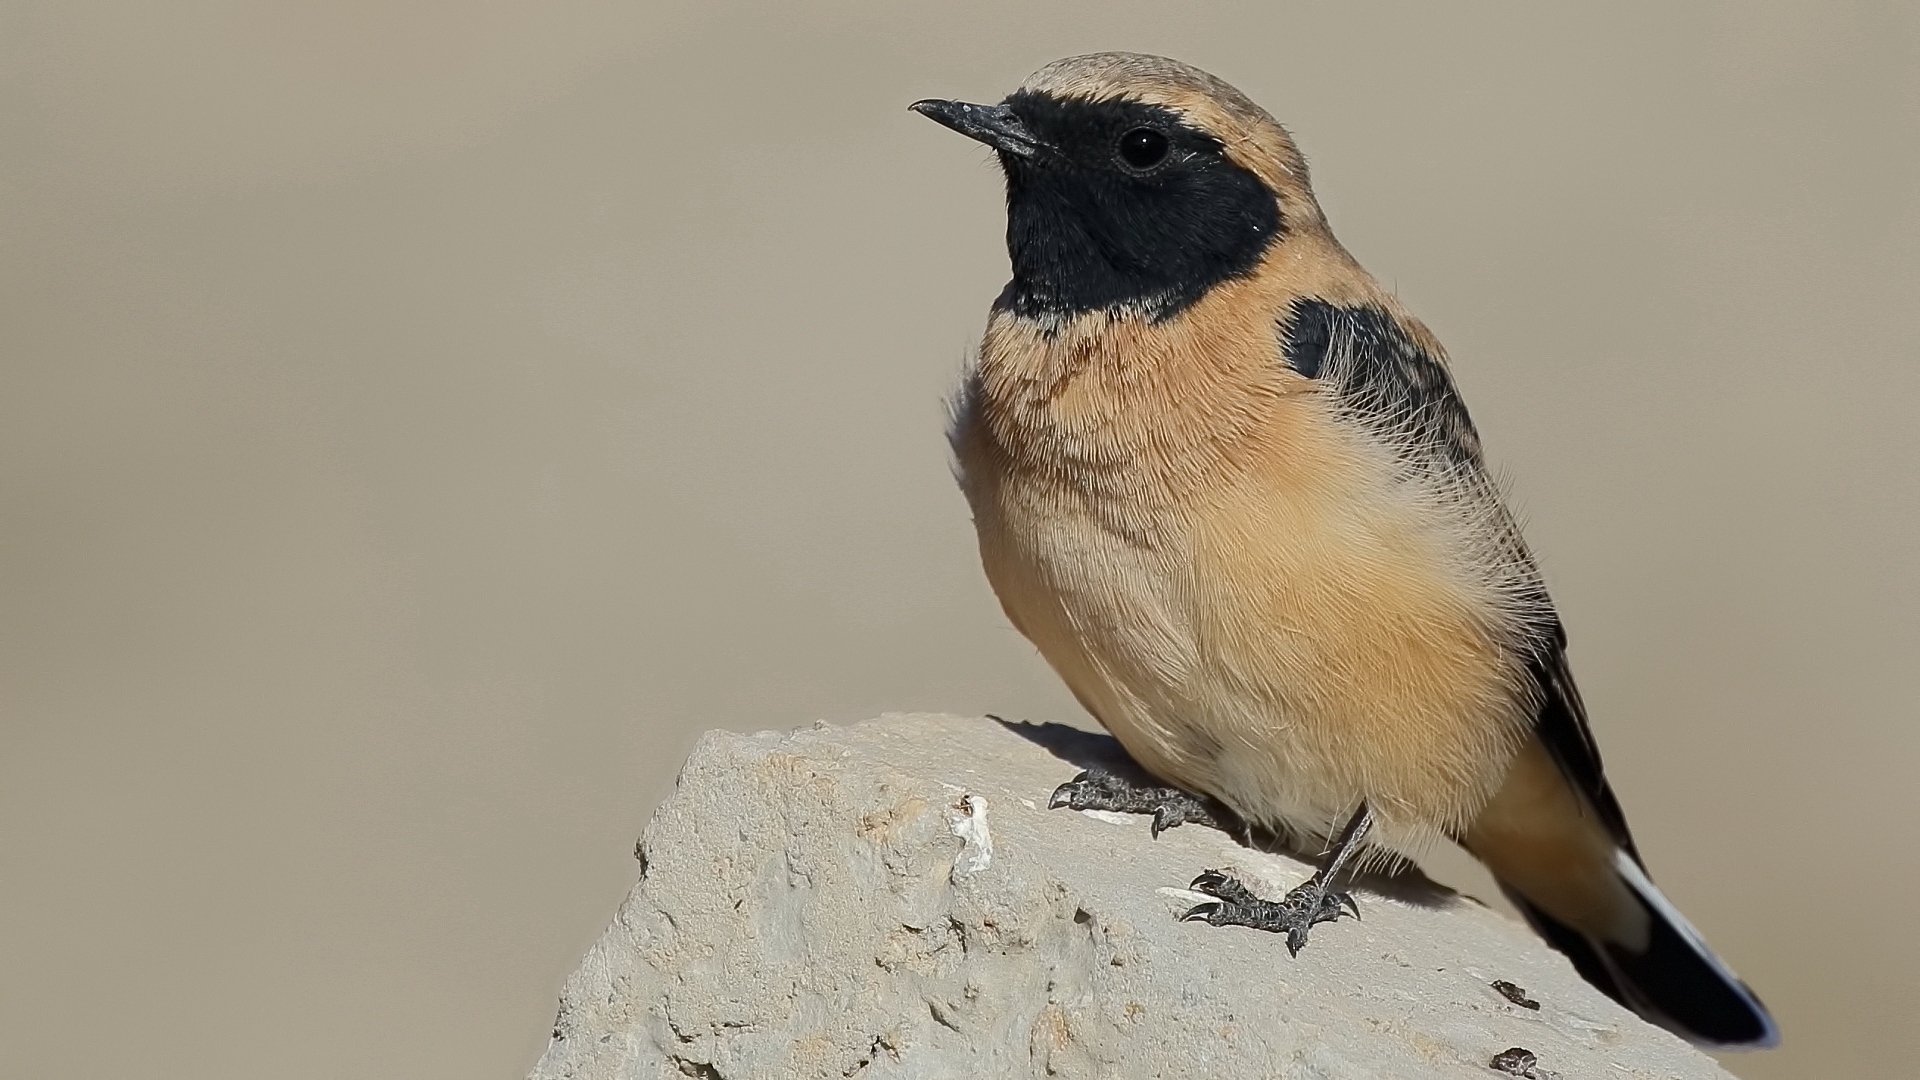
<point x="1578" y="881"/>
<point x="1673" y="979"/>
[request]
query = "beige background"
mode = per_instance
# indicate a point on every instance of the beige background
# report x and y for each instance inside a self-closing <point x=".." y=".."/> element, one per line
<point x="421" y="419"/>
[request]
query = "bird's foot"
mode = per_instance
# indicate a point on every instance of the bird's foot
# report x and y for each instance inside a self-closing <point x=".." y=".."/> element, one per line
<point x="1298" y="912"/>
<point x="1098" y="789"/>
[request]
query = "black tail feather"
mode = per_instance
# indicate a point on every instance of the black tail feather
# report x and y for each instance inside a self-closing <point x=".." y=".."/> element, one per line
<point x="1675" y="982"/>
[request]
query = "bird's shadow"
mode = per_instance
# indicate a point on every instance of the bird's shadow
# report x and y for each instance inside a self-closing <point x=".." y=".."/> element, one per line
<point x="1403" y="880"/>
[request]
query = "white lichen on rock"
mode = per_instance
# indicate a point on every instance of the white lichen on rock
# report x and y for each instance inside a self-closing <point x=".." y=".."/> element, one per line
<point x="832" y="903"/>
<point x="968" y="821"/>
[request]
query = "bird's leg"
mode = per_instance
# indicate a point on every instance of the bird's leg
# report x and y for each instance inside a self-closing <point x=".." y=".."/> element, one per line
<point x="1098" y="789"/>
<point x="1312" y="902"/>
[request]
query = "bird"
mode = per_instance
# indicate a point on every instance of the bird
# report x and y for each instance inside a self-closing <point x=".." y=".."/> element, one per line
<point x="1225" y="483"/>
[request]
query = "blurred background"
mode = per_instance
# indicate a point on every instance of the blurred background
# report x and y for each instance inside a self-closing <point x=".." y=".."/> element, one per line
<point x="421" y="419"/>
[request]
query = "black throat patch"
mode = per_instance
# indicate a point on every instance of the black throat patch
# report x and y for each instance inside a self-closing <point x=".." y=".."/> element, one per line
<point x="1088" y="231"/>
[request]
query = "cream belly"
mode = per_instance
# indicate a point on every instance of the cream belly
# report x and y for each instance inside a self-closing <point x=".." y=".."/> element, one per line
<point x="1290" y="644"/>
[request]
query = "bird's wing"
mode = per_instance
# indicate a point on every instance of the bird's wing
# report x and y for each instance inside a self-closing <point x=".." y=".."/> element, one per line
<point x="1383" y="375"/>
<point x="1561" y="727"/>
<point x="1380" y="371"/>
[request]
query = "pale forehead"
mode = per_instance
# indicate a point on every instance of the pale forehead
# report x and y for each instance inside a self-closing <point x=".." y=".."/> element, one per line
<point x="1154" y="80"/>
<point x="1250" y="135"/>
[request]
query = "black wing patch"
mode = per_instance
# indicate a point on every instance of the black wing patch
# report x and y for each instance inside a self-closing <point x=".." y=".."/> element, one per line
<point x="1381" y="373"/>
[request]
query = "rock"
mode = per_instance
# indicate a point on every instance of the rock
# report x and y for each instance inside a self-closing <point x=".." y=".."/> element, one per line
<point x="894" y="900"/>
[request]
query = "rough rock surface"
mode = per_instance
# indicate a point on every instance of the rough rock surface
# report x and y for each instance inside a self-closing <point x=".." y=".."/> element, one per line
<point x="893" y="899"/>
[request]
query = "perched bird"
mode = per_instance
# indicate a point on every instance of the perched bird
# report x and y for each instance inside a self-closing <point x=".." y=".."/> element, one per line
<point x="1224" y="483"/>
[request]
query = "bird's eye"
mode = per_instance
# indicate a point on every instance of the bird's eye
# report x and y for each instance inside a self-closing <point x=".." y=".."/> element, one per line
<point x="1143" y="148"/>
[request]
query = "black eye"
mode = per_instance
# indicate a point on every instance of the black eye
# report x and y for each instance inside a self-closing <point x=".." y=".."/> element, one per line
<point x="1143" y="148"/>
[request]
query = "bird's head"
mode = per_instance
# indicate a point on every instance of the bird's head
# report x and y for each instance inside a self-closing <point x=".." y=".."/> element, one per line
<point x="1134" y="182"/>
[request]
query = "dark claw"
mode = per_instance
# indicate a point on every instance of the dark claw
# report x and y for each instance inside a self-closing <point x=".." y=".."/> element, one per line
<point x="1163" y="819"/>
<point x="1202" y="912"/>
<point x="1215" y="883"/>
<point x="1209" y="880"/>
<point x="1063" y="795"/>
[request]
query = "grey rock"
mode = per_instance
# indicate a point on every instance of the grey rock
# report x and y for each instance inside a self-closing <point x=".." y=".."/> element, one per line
<point x="893" y="900"/>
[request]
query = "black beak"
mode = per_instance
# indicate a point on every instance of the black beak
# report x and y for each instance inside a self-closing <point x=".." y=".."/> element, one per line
<point x="995" y="125"/>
